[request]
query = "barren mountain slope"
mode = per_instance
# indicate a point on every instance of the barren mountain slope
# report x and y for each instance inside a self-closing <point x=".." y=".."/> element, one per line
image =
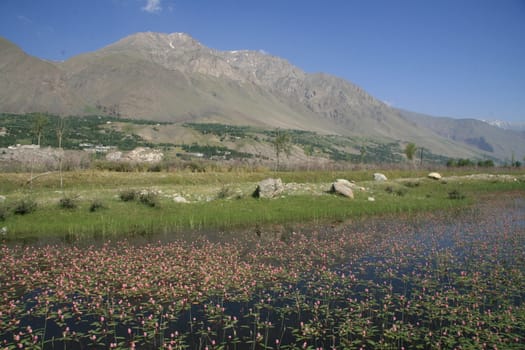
<point x="29" y="84"/>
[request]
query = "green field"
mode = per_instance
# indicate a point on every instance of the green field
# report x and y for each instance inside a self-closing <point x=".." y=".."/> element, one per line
<point x="90" y="203"/>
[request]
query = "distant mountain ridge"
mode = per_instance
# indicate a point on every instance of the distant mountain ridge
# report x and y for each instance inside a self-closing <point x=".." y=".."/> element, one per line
<point x="477" y="133"/>
<point x="516" y="126"/>
<point x="173" y="77"/>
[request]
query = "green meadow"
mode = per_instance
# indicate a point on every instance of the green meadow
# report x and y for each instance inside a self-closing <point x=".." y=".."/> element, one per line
<point x="93" y="204"/>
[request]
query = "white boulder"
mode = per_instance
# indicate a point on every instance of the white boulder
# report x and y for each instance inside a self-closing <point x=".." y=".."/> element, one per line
<point x="343" y="187"/>
<point x="435" y="176"/>
<point x="380" y="177"/>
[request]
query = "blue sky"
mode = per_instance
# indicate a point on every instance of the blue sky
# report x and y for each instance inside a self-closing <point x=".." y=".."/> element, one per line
<point x="457" y="58"/>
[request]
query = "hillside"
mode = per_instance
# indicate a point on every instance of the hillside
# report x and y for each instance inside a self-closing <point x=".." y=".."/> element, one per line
<point x="174" y="78"/>
<point x="491" y="139"/>
<point x="29" y="84"/>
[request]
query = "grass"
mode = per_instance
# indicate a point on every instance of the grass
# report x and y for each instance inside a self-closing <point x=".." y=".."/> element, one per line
<point x="209" y="210"/>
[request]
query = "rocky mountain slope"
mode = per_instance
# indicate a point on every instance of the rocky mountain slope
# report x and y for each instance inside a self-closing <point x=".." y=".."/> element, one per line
<point x="501" y="143"/>
<point x="173" y="77"/>
<point x="516" y="126"/>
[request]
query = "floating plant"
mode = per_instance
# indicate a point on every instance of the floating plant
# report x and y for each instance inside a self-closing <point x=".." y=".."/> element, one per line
<point x="425" y="283"/>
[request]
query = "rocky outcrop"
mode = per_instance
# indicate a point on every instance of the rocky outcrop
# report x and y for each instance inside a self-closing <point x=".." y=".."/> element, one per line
<point x="343" y="187"/>
<point x="138" y="155"/>
<point x="269" y="188"/>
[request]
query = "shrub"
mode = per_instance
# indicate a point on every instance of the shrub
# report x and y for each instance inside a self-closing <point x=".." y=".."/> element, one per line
<point x="96" y="205"/>
<point x="128" y="195"/>
<point x="151" y="199"/>
<point x="67" y="203"/>
<point x="224" y="193"/>
<point x="195" y="167"/>
<point x="455" y="194"/>
<point x="397" y="191"/>
<point x="3" y="212"/>
<point x="24" y="206"/>
<point x="155" y="168"/>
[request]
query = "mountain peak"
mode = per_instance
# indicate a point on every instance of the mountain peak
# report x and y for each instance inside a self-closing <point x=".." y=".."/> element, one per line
<point x="152" y="40"/>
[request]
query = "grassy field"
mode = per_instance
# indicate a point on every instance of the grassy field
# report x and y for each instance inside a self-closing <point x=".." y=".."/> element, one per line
<point x="90" y="204"/>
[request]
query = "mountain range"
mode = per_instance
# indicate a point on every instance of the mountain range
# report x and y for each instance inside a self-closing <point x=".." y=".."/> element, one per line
<point x="174" y="78"/>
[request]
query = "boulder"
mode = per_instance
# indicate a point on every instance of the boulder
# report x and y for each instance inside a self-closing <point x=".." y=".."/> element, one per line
<point x="343" y="187"/>
<point x="351" y="184"/>
<point x="345" y="182"/>
<point x="380" y="177"/>
<point x="180" y="199"/>
<point x="435" y="176"/>
<point x="2" y="198"/>
<point x="269" y="188"/>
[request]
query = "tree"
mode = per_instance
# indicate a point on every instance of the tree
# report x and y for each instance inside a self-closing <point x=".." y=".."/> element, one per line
<point x="362" y="151"/>
<point x="308" y="151"/>
<point x="282" y="144"/>
<point x="410" y="150"/>
<point x="39" y="124"/>
<point x="60" y="130"/>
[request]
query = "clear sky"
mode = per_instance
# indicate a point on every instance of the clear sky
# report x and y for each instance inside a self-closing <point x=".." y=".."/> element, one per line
<point x="457" y="58"/>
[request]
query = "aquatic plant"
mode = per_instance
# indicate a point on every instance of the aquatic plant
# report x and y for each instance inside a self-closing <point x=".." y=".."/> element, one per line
<point x="431" y="281"/>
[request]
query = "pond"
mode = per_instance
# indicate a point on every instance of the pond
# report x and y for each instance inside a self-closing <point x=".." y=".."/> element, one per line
<point x="444" y="280"/>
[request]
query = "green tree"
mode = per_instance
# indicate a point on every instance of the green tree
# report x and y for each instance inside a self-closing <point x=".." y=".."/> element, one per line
<point x="39" y="123"/>
<point x="362" y="152"/>
<point x="410" y="150"/>
<point x="282" y="143"/>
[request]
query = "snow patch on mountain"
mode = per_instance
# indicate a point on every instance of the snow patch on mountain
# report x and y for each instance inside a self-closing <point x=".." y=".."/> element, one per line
<point x="516" y="126"/>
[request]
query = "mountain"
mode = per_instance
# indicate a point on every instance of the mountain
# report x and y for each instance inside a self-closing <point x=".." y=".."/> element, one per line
<point x="491" y="139"/>
<point x="516" y="126"/>
<point x="174" y="78"/>
<point x="29" y="84"/>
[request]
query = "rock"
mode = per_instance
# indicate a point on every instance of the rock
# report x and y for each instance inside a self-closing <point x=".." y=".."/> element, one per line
<point x="435" y="176"/>
<point x="371" y="199"/>
<point x="114" y="156"/>
<point x="269" y="188"/>
<point x="351" y="184"/>
<point x="343" y="187"/>
<point x="138" y="155"/>
<point x="380" y="177"/>
<point x="345" y="182"/>
<point x="2" y="199"/>
<point x="180" y="199"/>
<point x="145" y="154"/>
